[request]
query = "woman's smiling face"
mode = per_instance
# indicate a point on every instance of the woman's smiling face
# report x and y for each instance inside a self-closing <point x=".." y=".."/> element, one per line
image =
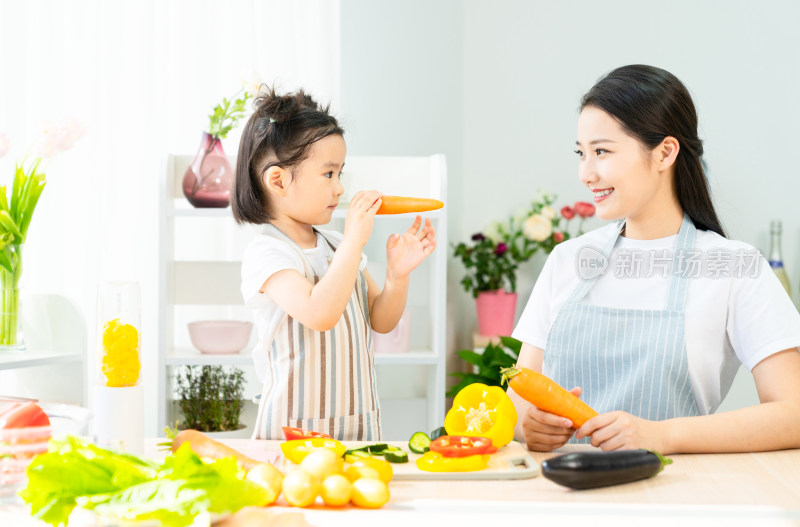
<point x="615" y="166"/>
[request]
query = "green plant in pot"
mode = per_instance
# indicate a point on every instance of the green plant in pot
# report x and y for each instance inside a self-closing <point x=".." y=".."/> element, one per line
<point x="211" y="397"/>
<point x="486" y="366"/>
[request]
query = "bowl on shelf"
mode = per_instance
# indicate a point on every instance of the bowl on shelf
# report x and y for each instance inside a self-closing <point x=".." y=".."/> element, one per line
<point x="220" y="336"/>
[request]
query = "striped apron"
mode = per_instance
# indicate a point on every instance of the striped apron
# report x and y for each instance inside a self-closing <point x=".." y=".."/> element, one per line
<point x="626" y="359"/>
<point x="322" y="380"/>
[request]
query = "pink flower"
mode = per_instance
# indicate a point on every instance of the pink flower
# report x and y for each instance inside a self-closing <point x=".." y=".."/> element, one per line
<point x="567" y="212"/>
<point x="558" y="236"/>
<point x="584" y="209"/>
<point x="501" y="249"/>
<point x="59" y="137"/>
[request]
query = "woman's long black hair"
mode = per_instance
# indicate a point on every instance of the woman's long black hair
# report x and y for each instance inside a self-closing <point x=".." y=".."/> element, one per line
<point x="651" y="104"/>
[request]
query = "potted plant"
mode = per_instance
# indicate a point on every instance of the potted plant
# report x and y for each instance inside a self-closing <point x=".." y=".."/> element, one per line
<point x="486" y="366"/>
<point x="211" y="397"/>
<point x="491" y="258"/>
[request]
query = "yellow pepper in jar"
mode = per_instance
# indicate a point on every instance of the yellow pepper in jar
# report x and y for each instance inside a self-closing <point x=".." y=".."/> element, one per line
<point x="120" y="363"/>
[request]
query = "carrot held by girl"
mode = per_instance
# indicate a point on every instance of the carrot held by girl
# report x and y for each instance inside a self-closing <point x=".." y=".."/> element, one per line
<point x="314" y="303"/>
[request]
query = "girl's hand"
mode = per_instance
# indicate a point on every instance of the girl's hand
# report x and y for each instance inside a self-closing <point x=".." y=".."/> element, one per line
<point x="404" y="252"/>
<point x="544" y="431"/>
<point x="622" y="431"/>
<point x="361" y="216"/>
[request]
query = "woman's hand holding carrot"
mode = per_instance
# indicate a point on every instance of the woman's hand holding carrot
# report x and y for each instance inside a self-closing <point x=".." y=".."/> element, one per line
<point x="404" y="252"/>
<point x="545" y="432"/>
<point x="621" y="430"/>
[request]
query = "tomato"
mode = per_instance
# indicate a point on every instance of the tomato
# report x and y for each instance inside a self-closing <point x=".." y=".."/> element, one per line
<point x="462" y="446"/>
<point x="322" y="463"/>
<point x="298" y="433"/>
<point x="23" y="415"/>
<point x="268" y="477"/>
<point x="300" y="488"/>
<point x="383" y="467"/>
<point x="336" y="490"/>
<point x="370" y="493"/>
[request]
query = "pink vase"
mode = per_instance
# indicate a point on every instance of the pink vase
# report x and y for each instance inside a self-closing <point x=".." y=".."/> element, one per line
<point x="496" y="310"/>
<point x="207" y="182"/>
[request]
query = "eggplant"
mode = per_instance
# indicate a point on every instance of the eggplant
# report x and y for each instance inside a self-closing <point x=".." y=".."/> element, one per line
<point x="588" y="470"/>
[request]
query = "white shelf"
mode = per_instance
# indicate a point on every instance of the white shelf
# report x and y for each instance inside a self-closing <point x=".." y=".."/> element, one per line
<point x="25" y="359"/>
<point x="192" y="357"/>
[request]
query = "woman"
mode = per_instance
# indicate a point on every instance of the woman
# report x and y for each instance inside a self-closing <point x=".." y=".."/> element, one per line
<point x="648" y="318"/>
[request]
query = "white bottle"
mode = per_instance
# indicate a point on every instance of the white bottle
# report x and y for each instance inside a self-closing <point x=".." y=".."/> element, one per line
<point x="776" y="256"/>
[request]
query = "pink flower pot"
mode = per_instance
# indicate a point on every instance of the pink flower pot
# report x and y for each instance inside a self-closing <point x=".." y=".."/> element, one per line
<point x="496" y="310"/>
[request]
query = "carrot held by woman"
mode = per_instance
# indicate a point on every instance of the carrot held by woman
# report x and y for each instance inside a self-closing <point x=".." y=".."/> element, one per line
<point x="547" y="395"/>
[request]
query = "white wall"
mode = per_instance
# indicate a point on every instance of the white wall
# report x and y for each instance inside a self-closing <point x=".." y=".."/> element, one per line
<point x="496" y="86"/>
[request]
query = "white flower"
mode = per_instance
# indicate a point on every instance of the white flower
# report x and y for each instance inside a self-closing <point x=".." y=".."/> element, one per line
<point x="519" y="216"/>
<point x="538" y="197"/>
<point x="548" y="212"/>
<point x="5" y="144"/>
<point x="494" y="232"/>
<point x="252" y="85"/>
<point x="537" y="228"/>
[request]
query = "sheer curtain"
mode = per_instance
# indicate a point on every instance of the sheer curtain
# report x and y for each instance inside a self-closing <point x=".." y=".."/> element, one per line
<point x="142" y="76"/>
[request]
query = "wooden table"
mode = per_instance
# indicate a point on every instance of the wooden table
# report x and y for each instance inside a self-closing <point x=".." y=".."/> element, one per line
<point x="718" y="489"/>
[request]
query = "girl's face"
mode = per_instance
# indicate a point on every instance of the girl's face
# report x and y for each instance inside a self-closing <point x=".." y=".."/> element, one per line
<point x="316" y="186"/>
<point x="616" y="167"/>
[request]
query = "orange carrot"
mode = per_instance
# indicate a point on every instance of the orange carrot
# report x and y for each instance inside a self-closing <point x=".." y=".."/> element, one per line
<point x="545" y="394"/>
<point x="204" y="446"/>
<point x="402" y="204"/>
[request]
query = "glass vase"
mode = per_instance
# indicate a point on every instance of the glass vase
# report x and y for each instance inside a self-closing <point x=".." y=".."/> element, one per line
<point x="207" y="182"/>
<point x="10" y="320"/>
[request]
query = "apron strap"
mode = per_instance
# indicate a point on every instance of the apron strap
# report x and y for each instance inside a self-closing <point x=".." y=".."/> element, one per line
<point x="586" y="284"/>
<point x="680" y="276"/>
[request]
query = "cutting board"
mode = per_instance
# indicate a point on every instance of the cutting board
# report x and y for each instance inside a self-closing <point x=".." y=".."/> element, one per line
<point x="513" y="461"/>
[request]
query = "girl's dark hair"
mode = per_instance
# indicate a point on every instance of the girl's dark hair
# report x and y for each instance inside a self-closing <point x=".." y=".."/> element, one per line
<point x="279" y="133"/>
<point x="651" y="104"/>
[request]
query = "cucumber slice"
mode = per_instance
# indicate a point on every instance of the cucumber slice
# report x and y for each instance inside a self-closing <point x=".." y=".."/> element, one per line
<point x="377" y="448"/>
<point x="438" y="433"/>
<point x="419" y="443"/>
<point x="395" y="456"/>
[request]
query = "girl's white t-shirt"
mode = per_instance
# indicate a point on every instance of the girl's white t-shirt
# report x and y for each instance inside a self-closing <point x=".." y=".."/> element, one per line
<point x="264" y="257"/>
<point x="736" y="309"/>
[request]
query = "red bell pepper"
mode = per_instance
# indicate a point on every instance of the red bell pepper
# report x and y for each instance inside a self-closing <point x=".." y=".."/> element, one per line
<point x="462" y="446"/>
<point x="298" y="433"/>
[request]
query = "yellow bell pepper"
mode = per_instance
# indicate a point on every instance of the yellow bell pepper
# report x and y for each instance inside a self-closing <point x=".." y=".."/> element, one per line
<point x="435" y="462"/>
<point x="481" y="410"/>
<point x="297" y="449"/>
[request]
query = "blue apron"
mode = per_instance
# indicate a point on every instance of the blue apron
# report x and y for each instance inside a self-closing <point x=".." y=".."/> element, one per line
<point x="627" y="359"/>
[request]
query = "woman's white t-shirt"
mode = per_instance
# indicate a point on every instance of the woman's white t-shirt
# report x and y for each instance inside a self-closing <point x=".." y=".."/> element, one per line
<point x="266" y="256"/>
<point x="736" y="309"/>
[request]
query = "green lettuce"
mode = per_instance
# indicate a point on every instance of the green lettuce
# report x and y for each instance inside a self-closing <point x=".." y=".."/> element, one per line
<point x="123" y="487"/>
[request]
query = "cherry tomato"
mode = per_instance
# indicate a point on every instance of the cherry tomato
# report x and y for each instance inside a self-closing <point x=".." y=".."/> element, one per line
<point x="298" y="433"/>
<point x="462" y="446"/>
<point x="268" y="477"/>
<point x="300" y="488"/>
<point x="361" y="472"/>
<point x="322" y="463"/>
<point x="383" y="467"/>
<point x="336" y="490"/>
<point x="369" y="493"/>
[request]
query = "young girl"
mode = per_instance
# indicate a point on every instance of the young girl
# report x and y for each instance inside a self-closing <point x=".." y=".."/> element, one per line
<point x="654" y="341"/>
<point x="314" y="303"/>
